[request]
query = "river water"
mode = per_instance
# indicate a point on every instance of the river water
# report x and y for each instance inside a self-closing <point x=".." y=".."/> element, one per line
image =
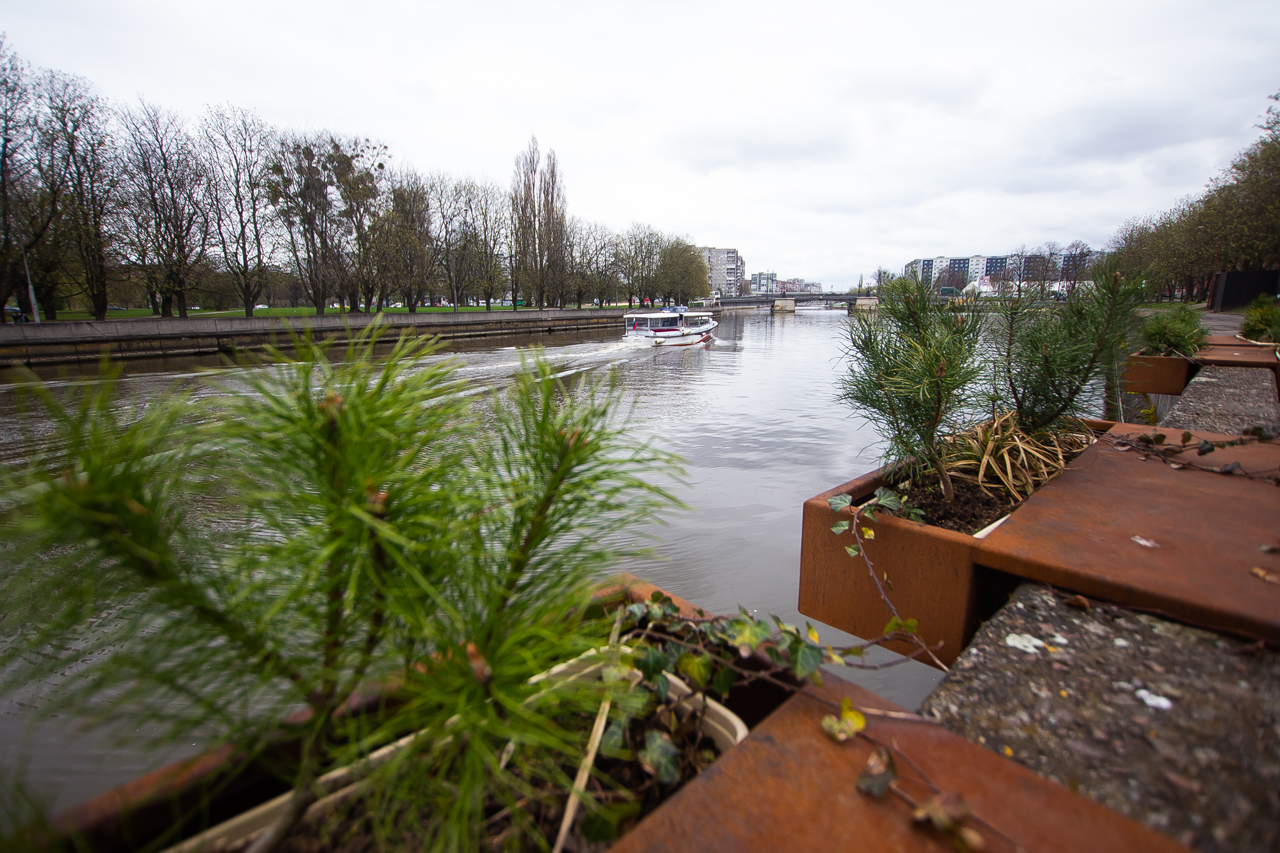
<point x="753" y="414"/>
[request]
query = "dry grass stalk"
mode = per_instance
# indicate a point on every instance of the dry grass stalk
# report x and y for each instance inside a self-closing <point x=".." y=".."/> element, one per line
<point x="998" y="455"/>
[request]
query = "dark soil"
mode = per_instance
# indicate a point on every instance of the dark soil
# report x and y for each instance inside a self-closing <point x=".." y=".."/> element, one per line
<point x="1171" y="725"/>
<point x="970" y="511"/>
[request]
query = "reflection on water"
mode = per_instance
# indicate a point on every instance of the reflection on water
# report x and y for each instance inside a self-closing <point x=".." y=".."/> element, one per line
<point x="753" y="414"/>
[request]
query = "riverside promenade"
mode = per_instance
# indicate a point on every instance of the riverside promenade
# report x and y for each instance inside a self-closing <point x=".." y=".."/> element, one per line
<point x="85" y="342"/>
<point x="1165" y="722"/>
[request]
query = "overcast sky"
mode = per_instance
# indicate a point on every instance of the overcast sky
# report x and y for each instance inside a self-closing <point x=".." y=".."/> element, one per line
<point x="819" y="139"/>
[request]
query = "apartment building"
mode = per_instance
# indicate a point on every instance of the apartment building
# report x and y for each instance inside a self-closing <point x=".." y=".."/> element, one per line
<point x="726" y="270"/>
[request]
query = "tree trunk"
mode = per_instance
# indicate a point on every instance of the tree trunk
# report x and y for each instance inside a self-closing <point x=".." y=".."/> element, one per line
<point x="166" y="305"/>
<point x="182" y="303"/>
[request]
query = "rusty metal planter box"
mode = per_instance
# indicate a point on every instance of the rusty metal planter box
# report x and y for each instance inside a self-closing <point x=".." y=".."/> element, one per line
<point x="1156" y="374"/>
<point x="1179" y="542"/>
<point x="929" y="574"/>
<point x="787" y="787"/>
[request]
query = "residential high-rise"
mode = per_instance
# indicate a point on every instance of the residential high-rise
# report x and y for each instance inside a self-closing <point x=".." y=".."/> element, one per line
<point x="725" y="270"/>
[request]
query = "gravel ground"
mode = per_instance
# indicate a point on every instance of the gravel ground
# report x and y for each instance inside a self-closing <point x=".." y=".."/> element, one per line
<point x="1167" y="724"/>
<point x="1226" y="400"/>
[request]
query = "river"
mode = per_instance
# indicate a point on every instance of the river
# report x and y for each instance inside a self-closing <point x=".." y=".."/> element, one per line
<point x="752" y="412"/>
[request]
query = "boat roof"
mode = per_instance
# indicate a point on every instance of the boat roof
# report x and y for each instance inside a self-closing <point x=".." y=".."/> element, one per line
<point x="672" y="314"/>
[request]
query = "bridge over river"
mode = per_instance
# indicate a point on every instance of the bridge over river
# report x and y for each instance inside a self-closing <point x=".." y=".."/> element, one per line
<point x="800" y="298"/>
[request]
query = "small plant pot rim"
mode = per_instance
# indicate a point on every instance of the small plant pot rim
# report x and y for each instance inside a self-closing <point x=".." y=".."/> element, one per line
<point x="724" y="727"/>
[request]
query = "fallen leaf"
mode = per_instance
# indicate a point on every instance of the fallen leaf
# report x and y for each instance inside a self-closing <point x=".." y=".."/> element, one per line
<point x="944" y="811"/>
<point x="1145" y="543"/>
<point x="879" y="773"/>
<point x="1008" y="752"/>
<point x="1262" y="575"/>
<point x="1078" y="601"/>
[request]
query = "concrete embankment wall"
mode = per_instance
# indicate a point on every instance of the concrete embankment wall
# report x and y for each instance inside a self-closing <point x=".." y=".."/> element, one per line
<point x="62" y="343"/>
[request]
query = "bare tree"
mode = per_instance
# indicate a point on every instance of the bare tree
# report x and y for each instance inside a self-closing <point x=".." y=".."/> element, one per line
<point x="403" y="251"/>
<point x="451" y="234"/>
<point x="538" y="226"/>
<point x="1075" y="263"/>
<point x="359" y="171"/>
<point x="485" y="261"/>
<point x="238" y="148"/>
<point x="168" y="200"/>
<point x="302" y="191"/>
<point x="32" y="172"/>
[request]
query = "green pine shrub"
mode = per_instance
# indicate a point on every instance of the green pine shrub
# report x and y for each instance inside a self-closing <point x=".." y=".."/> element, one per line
<point x="1262" y="320"/>
<point x="1177" y="331"/>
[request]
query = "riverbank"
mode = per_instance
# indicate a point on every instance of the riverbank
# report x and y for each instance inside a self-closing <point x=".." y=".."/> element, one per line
<point x="85" y="342"/>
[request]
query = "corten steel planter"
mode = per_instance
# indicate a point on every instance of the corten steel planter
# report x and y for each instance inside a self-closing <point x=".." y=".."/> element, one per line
<point x="787" y="787"/>
<point x="219" y="784"/>
<point x="928" y="573"/>
<point x="1156" y="374"/>
<point x="1181" y="542"/>
<point x="932" y="576"/>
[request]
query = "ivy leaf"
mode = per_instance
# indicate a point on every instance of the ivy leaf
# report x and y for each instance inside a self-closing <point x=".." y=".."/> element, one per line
<point x="613" y="744"/>
<point x="747" y="634"/>
<point x="805" y="661"/>
<point x="697" y="667"/>
<point x="1186" y="437"/>
<point x="868" y="533"/>
<point x="839" y="502"/>
<point x="1158" y="438"/>
<point x="851" y="550"/>
<point x="878" y="774"/>
<point x="812" y="631"/>
<point x="723" y="681"/>
<point x="661" y="685"/>
<point x="659" y="758"/>
<point x="869" y="514"/>
<point x="888" y="498"/>
<point x="839" y="527"/>
<point x="651" y="661"/>
<point x="1204" y="448"/>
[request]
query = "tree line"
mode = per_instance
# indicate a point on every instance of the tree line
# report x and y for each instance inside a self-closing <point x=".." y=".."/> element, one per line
<point x="1234" y="224"/>
<point x="103" y="202"/>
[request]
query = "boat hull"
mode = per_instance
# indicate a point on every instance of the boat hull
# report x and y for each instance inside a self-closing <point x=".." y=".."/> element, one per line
<point x="684" y="340"/>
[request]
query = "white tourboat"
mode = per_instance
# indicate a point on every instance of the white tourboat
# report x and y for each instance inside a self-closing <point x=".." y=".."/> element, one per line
<point x="671" y="328"/>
